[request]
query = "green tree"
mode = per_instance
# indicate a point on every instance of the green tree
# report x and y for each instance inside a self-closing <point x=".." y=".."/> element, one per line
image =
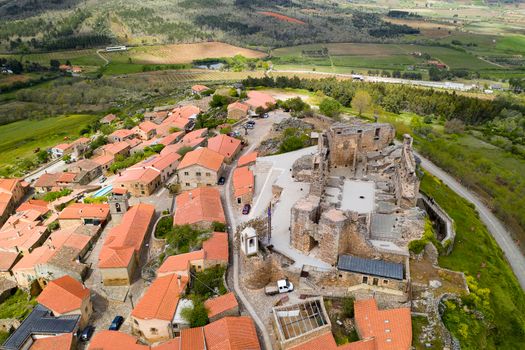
<point x="219" y="101"/>
<point x="196" y="316"/>
<point x="330" y="107"/>
<point x="42" y="156"/>
<point x="361" y="101"/>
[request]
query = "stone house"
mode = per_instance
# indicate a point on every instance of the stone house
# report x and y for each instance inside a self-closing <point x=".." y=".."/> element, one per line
<point x="228" y="146"/>
<point x="146" y="130"/>
<point x="199" y="89"/>
<point x="67" y="296"/>
<point x="87" y="170"/>
<point x="201" y="167"/>
<point x="243" y="186"/>
<point x="125" y="244"/>
<point x="84" y="214"/>
<point x="121" y="135"/>
<point x="139" y="182"/>
<point x="222" y="306"/>
<point x="12" y="191"/>
<point x="238" y="110"/>
<point x="200" y="207"/>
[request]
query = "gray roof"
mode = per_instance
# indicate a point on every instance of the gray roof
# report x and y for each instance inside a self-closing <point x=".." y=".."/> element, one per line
<point x="40" y="321"/>
<point x="371" y="267"/>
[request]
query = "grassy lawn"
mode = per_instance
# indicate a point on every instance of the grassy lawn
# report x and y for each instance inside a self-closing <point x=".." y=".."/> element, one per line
<point x="20" y="139"/>
<point x="477" y="254"/>
<point x="3" y="337"/>
<point x="17" y="306"/>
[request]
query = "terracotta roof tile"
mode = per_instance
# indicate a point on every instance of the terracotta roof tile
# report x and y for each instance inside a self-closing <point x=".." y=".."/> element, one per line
<point x="161" y="298"/>
<point x="194" y="135"/>
<point x="120" y="133"/>
<point x="34" y="204"/>
<point x="247" y="159"/>
<point x="259" y="99"/>
<point x="7" y="260"/>
<point x="115" y="148"/>
<point x="171" y="138"/>
<point x="67" y="177"/>
<point x="63" y="295"/>
<point x="243" y="181"/>
<point x="192" y="339"/>
<point x="392" y="329"/>
<point x="221" y="304"/>
<point x="216" y="247"/>
<point x="82" y="210"/>
<point x="104" y="160"/>
<point x="324" y="341"/>
<point x="47" y="180"/>
<point x="126" y="238"/>
<point x="147" y="126"/>
<point x="143" y="175"/>
<point x="108" y="118"/>
<point x="113" y="340"/>
<point x="180" y="262"/>
<point x="231" y="333"/>
<point x="203" y="157"/>
<point x="202" y="204"/>
<point x="199" y="88"/>
<point x="224" y="144"/>
<point x="238" y="105"/>
<point x="58" y="342"/>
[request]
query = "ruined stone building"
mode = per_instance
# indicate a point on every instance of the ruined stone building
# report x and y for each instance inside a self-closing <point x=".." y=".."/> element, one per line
<point x="362" y="199"/>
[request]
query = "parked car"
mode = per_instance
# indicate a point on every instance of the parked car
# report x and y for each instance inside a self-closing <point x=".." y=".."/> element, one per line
<point x="251" y="122"/>
<point x="265" y="115"/>
<point x="103" y="179"/>
<point x="117" y="322"/>
<point x="283" y="286"/>
<point x="87" y="333"/>
<point x="246" y="209"/>
<point x="249" y="126"/>
<point x="221" y="181"/>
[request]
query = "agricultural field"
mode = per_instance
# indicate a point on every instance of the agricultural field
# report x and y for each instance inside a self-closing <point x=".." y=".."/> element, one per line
<point x="185" y="76"/>
<point x="87" y="57"/>
<point x="180" y="53"/>
<point x="20" y="139"/>
<point x="378" y="56"/>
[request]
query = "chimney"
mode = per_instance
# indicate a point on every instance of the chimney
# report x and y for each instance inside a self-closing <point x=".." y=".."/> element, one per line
<point x="178" y="280"/>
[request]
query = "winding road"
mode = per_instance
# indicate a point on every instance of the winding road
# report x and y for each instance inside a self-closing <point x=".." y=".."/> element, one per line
<point x="494" y="225"/>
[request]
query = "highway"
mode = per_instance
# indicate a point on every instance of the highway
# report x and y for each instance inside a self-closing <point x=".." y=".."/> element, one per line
<point x="494" y="225"/>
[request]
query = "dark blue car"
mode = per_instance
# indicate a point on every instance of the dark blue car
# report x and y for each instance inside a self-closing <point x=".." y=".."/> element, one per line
<point x="117" y="322"/>
<point x="87" y="333"/>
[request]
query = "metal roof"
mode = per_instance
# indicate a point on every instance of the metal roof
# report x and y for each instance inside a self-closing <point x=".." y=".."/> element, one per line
<point x="371" y="267"/>
<point x="40" y="321"/>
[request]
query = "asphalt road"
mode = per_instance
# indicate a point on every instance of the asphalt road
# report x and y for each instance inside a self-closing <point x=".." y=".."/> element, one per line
<point x="495" y="227"/>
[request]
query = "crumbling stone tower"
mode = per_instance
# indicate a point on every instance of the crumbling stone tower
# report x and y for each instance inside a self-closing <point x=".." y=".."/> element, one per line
<point x="408" y="181"/>
<point x="347" y="142"/>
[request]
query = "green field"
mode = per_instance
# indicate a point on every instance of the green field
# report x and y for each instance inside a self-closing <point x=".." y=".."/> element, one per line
<point x="20" y="139"/>
<point x="86" y="57"/>
<point x="380" y="56"/>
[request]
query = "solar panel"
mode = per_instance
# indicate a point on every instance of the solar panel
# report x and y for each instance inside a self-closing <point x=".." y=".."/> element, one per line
<point x="371" y="267"/>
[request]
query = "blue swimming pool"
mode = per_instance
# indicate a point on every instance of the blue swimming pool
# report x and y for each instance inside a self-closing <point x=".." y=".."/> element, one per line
<point x="103" y="191"/>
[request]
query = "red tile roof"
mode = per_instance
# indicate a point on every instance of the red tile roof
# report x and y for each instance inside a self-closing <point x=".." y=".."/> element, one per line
<point x="63" y="295"/>
<point x="221" y="304"/>
<point x="171" y="138"/>
<point x="231" y="333"/>
<point x="115" y="148"/>
<point x="179" y="263"/>
<point x="81" y="210"/>
<point x="202" y="204"/>
<point x="57" y="342"/>
<point x="204" y="157"/>
<point x="147" y="126"/>
<point x="34" y="204"/>
<point x="160" y="162"/>
<point x="194" y="135"/>
<point x="247" y="159"/>
<point x="192" y="339"/>
<point x="121" y="133"/>
<point x="224" y="144"/>
<point x="8" y="185"/>
<point x="243" y="181"/>
<point x="113" y="340"/>
<point x="392" y="329"/>
<point x="259" y="99"/>
<point x="239" y="105"/>
<point x="324" y="341"/>
<point x="216" y="247"/>
<point x="161" y="298"/>
<point x="7" y="260"/>
<point x="57" y="240"/>
<point x="143" y="175"/>
<point x="108" y="118"/>
<point x="47" y="180"/>
<point x="104" y="160"/>
<point x="127" y="237"/>
<point x="199" y="88"/>
<point x="67" y="177"/>
<point x="62" y="146"/>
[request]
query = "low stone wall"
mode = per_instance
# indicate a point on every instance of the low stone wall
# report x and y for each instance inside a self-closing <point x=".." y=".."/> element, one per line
<point x="445" y="224"/>
<point x="9" y="324"/>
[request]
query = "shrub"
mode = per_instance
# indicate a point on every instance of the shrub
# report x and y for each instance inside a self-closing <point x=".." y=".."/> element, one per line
<point x="218" y="226"/>
<point x="196" y="316"/>
<point x="330" y="107"/>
